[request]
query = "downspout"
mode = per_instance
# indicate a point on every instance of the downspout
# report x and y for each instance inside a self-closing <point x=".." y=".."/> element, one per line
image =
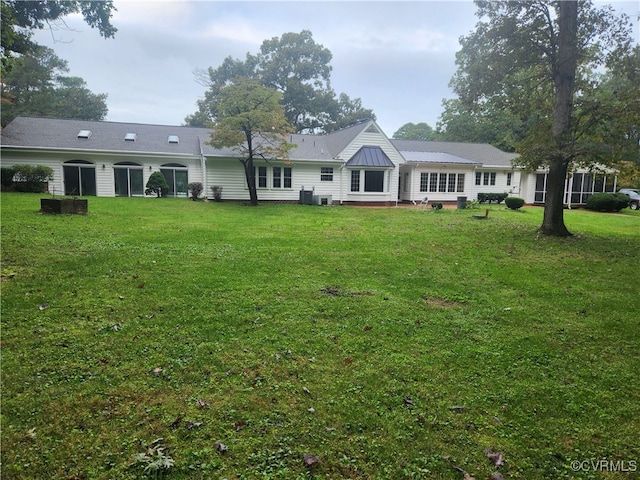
<point x="341" y="174"/>
<point x="203" y="168"/>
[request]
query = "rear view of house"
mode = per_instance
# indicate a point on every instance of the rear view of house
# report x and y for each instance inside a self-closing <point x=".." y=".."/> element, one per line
<point x="358" y="165"/>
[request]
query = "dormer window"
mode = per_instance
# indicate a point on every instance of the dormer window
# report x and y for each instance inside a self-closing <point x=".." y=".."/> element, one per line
<point x="174" y="139"/>
<point x="130" y="137"/>
<point x="84" y="133"/>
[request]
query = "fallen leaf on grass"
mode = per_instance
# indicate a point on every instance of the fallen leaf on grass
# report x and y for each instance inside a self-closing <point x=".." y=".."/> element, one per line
<point x="408" y="402"/>
<point x="310" y="460"/>
<point x="458" y="408"/>
<point x="157" y="371"/>
<point x="496" y="476"/>
<point x="465" y="475"/>
<point x="220" y="447"/>
<point x="43" y="306"/>
<point x="306" y="390"/>
<point x="494" y="457"/>
<point x="191" y="425"/>
<point x="367" y="328"/>
<point x="176" y="422"/>
<point x="202" y="404"/>
<point x="239" y="425"/>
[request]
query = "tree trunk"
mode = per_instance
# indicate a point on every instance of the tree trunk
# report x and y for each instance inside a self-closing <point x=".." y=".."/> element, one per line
<point x="250" y="175"/>
<point x="564" y="77"/>
<point x="553" y="220"/>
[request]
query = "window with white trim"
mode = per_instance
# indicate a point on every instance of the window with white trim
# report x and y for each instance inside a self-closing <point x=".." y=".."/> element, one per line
<point x="355" y="180"/>
<point x="441" y="182"/>
<point x="261" y="177"/>
<point x="326" y="174"/>
<point x="281" y="177"/>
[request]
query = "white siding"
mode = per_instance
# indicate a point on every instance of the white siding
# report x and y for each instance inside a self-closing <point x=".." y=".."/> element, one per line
<point x="366" y="138"/>
<point x="229" y="174"/>
<point x="103" y="162"/>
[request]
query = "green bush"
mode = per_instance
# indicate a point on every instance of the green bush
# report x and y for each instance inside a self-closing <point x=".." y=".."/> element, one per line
<point x="7" y="176"/>
<point x="492" y="197"/>
<point x="436" y="205"/>
<point x="196" y="189"/>
<point x="514" y="203"/>
<point x="217" y="193"/>
<point x="607" y="202"/>
<point x="156" y="184"/>
<point x="32" y="178"/>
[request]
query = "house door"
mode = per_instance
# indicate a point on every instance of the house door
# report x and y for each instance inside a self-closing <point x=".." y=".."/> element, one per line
<point x="176" y="176"/>
<point x="128" y="179"/>
<point x="79" y="178"/>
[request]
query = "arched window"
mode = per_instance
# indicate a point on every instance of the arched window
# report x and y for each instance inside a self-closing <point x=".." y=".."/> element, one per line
<point x="177" y="178"/>
<point x="79" y="178"/>
<point x="128" y="179"/>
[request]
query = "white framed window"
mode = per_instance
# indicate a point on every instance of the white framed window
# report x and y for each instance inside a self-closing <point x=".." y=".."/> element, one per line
<point x="326" y="174"/>
<point x="355" y="180"/>
<point x="281" y="177"/>
<point x="260" y="174"/>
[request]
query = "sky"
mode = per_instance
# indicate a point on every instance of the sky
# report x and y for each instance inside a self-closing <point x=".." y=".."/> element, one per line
<point x="397" y="57"/>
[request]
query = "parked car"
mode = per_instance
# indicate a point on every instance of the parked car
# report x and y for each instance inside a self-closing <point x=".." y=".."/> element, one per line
<point x="634" y="197"/>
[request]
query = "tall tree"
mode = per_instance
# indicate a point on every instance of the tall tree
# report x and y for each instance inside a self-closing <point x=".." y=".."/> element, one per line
<point x="250" y="120"/>
<point x="419" y="131"/>
<point x="37" y="86"/>
<point x="534" y="61"/>
<point x="299" y="68"/>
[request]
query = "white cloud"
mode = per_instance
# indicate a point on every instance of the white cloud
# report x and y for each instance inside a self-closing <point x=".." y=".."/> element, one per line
<point x="236" y="30"/>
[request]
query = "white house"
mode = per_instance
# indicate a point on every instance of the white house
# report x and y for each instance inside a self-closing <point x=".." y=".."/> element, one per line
<point x="356" y="165"/>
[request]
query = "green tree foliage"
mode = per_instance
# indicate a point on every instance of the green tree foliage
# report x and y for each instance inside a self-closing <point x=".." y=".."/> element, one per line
<point x="299" y="68"/>
<point x="419" y="131"/>
<point x="32" y="178"/>
<point x="527" y="69"/>
<point x="250" y="120"/>
<point x="36" y="86"/>
<point x="20" y="18"/>
<point x="156" y="184"/>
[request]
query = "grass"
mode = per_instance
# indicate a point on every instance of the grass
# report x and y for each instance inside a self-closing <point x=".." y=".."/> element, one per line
<point x="390" y="343"/>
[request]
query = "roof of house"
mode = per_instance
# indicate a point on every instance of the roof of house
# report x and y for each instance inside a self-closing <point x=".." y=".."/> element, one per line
<point x="370" y="157"/>
<point x="36" y="132"/>
<point x="85" y="135"/>
<point x="481" y="153"/>
<point x="436" y="157"/>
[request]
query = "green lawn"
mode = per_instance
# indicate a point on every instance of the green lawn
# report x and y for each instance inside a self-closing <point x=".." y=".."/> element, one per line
<point x="391" y="343"/>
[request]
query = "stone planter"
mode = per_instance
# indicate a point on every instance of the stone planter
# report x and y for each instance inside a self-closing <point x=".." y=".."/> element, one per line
<point x="63" y="205"/>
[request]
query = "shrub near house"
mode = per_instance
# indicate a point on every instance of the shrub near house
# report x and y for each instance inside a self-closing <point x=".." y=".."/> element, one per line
<point x="27" y="178"/>
<point x="514" y="203"/>
<point x="607" y="202"/>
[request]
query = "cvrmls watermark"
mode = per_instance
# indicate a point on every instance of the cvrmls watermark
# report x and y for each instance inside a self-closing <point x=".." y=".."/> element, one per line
<point x="604" y="465"/>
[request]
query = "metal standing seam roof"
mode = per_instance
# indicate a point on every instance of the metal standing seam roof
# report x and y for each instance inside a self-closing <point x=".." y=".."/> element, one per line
<point x="370" y="157"/>
<point x="480" y="153"/>
<point x="437" y="157"/>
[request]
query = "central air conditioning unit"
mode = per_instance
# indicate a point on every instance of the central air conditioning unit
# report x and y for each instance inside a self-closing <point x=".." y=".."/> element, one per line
<point x="322" y="199"/>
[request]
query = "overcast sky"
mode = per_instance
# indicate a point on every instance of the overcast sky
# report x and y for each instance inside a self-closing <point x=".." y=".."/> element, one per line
<point x="398" y="57"/>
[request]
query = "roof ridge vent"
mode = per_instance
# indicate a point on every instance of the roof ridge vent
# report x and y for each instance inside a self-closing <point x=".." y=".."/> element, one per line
<point x="84" y="134"/>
